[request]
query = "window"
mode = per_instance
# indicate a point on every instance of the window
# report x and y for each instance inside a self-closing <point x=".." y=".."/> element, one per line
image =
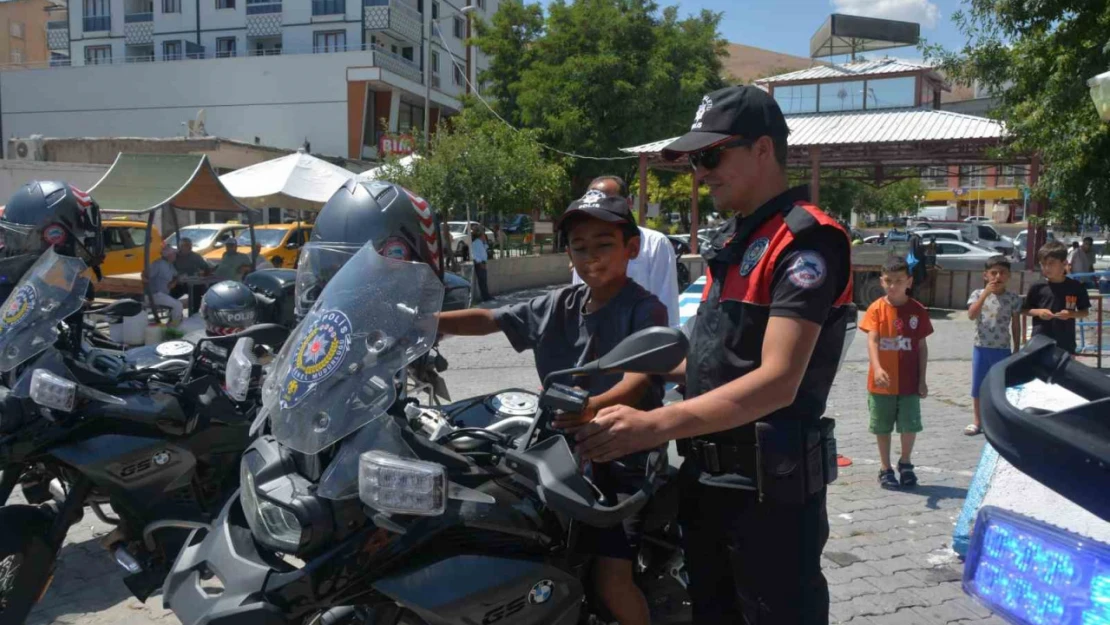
<point x="482" y="4"/>
<point x="935" y="177"/>
<point x="406" y="53"/>
<point x="460" y="28"/>
<point x="950" y="248"/>
<point x="971" y="177"/>
<point x="171" y="50"/>
<point x="225" y="4"/>
<point x="393" y="49"/>
<point x="891" y="92"/>
<point x="1011" y="176"/>
<point x="17" y="55"/>
<point x="435" y="10"/>
<point x="97" y="15"/>
<point x="138" y="236"/>
<point x="171" y="6"/>
<point x="329" y="41"/>
<point x="16" y="29"/>
<point x="435" y="62"/>
<point x="225" y="47"/>
<point x="797" y="98"/>
<point x="98" y="55"/>
<point x="116" y="238"/>
<point x="840" y="96"/>
<point x="458" y="76"/>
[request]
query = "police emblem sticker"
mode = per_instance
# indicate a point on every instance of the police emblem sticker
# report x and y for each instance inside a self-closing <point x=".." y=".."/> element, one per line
<point x="317" y="356"/>
<point x="753" y="255"/>
<point x="913" y="322"/>
<point x="541" y="592"/>
<point x="807" y="270"/>
<point x="19" y="307"/>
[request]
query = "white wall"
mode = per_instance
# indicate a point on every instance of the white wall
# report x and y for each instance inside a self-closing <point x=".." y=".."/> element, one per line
<point x="280" y="99"/>
<point x="14" y="174"/>
<point x="181" y="25"/>
<point x="212" y="18"/>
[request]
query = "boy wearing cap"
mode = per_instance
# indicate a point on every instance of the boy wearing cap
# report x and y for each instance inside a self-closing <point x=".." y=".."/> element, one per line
<point x="570" y="326"/>
<point x="764" y="350"/>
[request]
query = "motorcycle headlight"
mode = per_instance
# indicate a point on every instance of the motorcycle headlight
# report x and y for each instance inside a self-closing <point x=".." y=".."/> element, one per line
<point x="281" y="511"/>
<point x="240" y="369"/>
<point x="396" y="485"/>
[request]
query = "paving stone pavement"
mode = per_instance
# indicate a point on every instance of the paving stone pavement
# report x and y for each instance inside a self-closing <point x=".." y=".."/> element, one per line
<point x="888" y="559"/>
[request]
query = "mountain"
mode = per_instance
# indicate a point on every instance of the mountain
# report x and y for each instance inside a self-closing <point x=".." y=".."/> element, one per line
<point x="746" y="63"/>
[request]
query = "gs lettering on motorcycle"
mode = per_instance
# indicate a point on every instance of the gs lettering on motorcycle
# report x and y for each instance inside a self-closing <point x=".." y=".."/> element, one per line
<point x="540" y="593"/>
<point x="144" y="465"/>
<point x="318" y="355"/>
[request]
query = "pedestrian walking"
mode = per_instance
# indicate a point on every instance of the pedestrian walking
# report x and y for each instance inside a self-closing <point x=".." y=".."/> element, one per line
<point x="479" y="253"/>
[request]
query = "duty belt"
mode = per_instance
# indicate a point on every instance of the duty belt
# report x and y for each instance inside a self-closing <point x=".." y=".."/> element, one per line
<point x="719" y="458"/>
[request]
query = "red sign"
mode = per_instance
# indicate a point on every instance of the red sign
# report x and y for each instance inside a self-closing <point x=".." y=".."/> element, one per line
<point x="401" y="145"/>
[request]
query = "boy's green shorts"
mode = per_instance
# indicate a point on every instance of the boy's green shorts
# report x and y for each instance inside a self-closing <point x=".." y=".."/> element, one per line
<point x="887" y="410"/>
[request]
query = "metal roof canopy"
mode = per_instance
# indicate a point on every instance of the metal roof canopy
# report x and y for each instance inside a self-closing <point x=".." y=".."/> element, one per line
<point x="140" y="184"/>
<point x="849" y="34"/>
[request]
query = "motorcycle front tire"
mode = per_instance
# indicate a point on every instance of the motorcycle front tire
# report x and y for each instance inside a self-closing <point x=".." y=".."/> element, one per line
<point x="26" y="560"/>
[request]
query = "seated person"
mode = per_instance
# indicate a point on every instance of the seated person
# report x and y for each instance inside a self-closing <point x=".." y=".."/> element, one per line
<point x="260" y="261"/>
<point x="234" y="264"/>
<point x="159" y="278"/>
<point x="189" y="263"/>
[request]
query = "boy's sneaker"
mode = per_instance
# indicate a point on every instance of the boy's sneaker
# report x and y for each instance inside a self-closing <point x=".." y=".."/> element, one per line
<point x="887" y="480"/>
<point x="906" y="474"/>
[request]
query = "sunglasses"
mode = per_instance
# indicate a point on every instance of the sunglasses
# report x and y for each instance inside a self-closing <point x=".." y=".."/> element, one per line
<point x="710" y="158"/>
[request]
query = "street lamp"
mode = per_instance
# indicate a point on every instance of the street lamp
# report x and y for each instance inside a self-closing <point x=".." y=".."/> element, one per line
<point x="428" y="21"/>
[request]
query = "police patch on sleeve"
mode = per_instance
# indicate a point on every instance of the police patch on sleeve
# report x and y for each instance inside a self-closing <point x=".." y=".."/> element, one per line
<point x="318" y="355"/>
<point x="807" y="270"/>
<point x="20" y="305"/>
<point x="753" y="255"/>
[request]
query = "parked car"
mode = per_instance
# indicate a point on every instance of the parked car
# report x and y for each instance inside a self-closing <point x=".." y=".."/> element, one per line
<point x="123" y="246"/>
<point x="943" y="235"/>
<point x="282" y="241"/>
<point x="1020" y="242"/>
<point x="460" y="241"/>
<point x="974" y="219"/>
<point x="981" y="234"/>
<point x="958" y="255"/>
<point x="519" y="224"/>
<point x="207" y="237"/>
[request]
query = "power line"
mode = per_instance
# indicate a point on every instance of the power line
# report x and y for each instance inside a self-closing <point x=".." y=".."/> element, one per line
<point x="474" y="90"/>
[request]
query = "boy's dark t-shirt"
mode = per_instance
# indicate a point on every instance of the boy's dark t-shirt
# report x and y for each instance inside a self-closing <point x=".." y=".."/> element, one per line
<point x="1057" y="296"/>
<point x="562" y="335"/>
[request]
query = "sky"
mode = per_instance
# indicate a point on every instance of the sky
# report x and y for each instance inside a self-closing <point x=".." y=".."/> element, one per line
<point x="786" y="25"/>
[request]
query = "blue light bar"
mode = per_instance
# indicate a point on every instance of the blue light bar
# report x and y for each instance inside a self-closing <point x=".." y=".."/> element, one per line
<point x="1032" y="573"/>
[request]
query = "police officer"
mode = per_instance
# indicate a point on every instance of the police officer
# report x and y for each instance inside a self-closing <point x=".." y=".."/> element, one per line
<point x="763" y="354"/>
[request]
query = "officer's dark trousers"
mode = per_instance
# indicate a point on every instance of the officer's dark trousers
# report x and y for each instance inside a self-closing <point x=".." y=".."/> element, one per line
<point x="753" y="563"/>
<point x="480" y="274"/>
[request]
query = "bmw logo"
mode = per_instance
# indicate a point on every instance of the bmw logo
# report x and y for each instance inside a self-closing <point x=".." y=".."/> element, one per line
<point x="541" y="592"/>
<point x="161" y="458"/>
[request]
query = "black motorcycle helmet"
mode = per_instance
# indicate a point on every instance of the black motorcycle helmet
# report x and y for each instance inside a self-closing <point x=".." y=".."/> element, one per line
<point x="396" y="221"/>
<point x="48" y="213"/>
<point x="228" y="307"/>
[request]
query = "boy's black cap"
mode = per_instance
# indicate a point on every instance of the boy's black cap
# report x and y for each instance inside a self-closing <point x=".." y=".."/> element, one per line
<point x="612" y="209"/>
<point x="744" y="111"/>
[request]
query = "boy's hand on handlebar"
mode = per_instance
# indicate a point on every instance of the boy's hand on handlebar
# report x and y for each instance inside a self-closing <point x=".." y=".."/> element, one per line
<point x="571" y="422"/>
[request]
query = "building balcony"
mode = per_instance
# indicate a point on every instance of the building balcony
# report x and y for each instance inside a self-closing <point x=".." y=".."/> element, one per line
<point x="263" y="18"/>
<point x="97" y="23"/>
<point x="57" y="35"/>
<point x="398" y="65"/>
<point x="138" y="28"/>
<point x="393" y="18"/>
<point x="322" y="8"/>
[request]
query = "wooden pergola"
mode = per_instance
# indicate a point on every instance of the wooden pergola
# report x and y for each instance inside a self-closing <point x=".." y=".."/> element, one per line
<point x="871" y="146"/>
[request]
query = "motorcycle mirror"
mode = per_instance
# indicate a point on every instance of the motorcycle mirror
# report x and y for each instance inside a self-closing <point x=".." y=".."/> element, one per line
<point x="655" y="350"/>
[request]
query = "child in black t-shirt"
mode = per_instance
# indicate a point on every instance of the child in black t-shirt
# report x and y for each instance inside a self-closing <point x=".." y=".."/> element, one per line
<point x="1056" y="304"/>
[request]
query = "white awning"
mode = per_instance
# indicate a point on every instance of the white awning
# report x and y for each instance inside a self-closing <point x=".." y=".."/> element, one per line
<point x="298" y="181"/>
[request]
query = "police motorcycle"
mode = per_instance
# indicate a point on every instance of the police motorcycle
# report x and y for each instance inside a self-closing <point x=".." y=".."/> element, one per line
<point x="1025" y="570"/>
<point x="358" y="504"/>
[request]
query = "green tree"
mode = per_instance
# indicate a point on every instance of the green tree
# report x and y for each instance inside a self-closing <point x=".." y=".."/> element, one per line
<point x="1037" y="56"/>
<point x="478" y="163"/>
<point x="600" y="75"/>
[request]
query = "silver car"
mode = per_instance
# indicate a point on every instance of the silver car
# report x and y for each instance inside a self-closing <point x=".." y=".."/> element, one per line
<point x="957" y="255"/>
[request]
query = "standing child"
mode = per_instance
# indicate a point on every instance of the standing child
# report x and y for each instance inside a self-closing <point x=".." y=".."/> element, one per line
<point x="896" y="327"/>
<point x="1056" y="303"/>
<point x="996" y="314"/>
<point x="571" y="326"/>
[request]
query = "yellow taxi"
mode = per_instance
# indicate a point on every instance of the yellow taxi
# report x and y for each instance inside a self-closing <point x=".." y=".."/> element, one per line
<point x="123" y="246"/>
<point x="207" y="237"/>
<point x="281" y="243"/>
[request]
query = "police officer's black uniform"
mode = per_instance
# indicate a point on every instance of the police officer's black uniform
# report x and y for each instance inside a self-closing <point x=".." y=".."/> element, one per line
<point x="753" y="509"/>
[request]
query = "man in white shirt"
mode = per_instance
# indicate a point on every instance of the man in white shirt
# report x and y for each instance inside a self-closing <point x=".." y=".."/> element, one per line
<point x="656" y="268"/>
<point x="479" y="253"/>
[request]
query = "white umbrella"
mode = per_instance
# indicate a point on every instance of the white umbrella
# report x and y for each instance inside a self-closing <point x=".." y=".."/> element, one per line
<point x="298" y="181"/>
<point x="378" y="172"/>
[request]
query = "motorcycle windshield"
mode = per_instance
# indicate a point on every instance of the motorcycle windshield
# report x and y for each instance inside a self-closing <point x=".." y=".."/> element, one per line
<point x="339" y="369"/>
<point x="51" y="290"/>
